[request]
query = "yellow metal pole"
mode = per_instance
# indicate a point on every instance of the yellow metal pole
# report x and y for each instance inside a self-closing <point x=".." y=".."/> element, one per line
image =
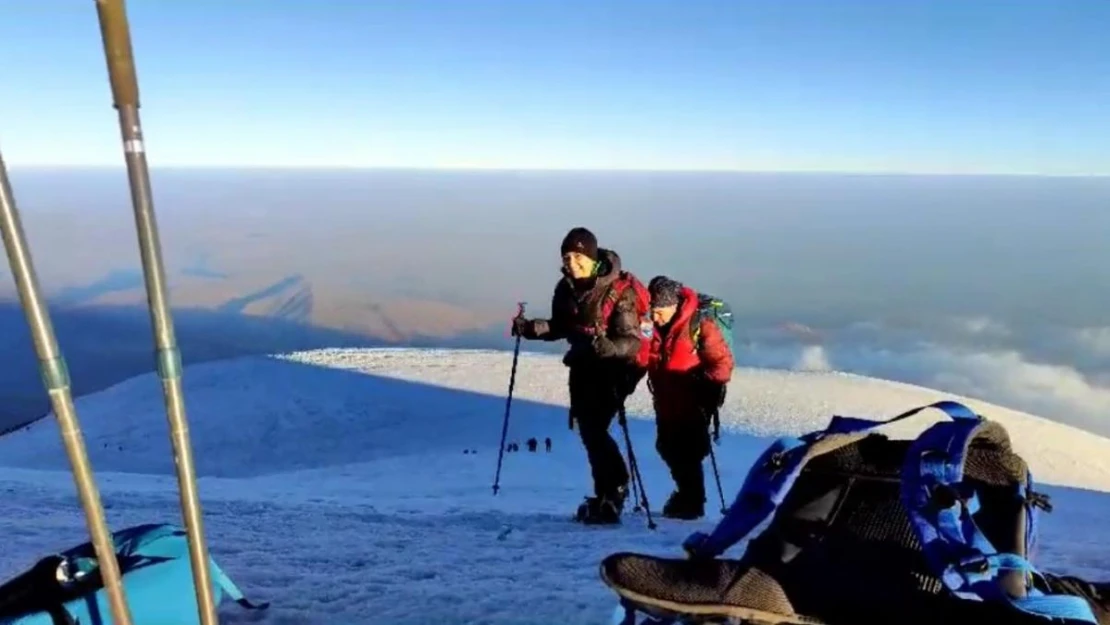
<point x="55" y="376"/>
<point x="125" y="95"/>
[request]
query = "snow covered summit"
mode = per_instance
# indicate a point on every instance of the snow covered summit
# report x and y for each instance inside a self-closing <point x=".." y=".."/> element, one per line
<point x="311" y="410"/>
<point x="335" y="484"/>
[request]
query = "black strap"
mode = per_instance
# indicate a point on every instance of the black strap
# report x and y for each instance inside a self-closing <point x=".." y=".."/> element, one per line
<point x="59" y="615"/>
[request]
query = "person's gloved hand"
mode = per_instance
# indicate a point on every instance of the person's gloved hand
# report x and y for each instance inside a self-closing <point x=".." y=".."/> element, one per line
<point x="694" y="544"/>
<point x="712" y="393"/>
<point x="520" y="326"/>
<point x="603" y="347"/>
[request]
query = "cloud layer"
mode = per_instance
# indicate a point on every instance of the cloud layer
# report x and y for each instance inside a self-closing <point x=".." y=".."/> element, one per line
<point x="987" y="364"/>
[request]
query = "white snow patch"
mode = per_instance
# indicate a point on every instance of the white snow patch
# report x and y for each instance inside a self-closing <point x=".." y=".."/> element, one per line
<point x="336" y="485"/>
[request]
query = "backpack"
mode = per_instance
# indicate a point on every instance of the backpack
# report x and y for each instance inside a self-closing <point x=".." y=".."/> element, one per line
<point x="867" y="529"/>
<point x="623" y="281"/>
<point x="719" y="311"/>
<point x="157" y="578"/>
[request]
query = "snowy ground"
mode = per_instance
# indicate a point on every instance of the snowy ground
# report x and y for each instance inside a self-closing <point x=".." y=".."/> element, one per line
<point x="335" y="483"/>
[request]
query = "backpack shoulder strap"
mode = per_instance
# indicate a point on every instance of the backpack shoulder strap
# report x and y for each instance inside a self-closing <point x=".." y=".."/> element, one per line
<point x="773" y="475"/>
<point x="232" y="589"/>
<point x="941" y="508"/>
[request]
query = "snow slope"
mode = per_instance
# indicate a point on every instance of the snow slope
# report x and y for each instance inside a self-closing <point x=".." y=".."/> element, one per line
<point x="335" y="483"/>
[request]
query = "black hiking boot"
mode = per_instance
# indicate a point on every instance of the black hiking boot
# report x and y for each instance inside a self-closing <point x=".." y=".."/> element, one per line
<point x="603" y="510"/>
<point x="684" y="507"/>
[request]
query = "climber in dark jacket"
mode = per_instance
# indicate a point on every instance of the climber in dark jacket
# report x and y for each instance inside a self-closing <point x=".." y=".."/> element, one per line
<point x="594" y="308"/>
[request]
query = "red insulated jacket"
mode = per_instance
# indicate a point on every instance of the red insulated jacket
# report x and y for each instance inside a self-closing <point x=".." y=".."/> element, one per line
<point x="675" y="358"/>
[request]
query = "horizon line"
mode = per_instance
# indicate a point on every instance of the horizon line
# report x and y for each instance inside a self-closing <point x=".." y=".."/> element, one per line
<point x="559" y="170"/>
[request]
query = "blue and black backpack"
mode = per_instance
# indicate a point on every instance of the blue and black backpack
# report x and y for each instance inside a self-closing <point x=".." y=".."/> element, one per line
<point x="67" y="589"/>
<point x="861" y="528"/>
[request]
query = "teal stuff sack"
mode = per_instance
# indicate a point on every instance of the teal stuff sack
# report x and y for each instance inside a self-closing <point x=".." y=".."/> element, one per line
<point x="66" y="588"/>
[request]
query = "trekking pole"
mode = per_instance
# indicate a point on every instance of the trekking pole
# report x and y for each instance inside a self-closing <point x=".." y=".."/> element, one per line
<point x="116" y="36"/>
<point x="55" y="377"/>
<point x="635" y="467"/>
<point x="716" y="473"/>
<point x="508" y="403"/>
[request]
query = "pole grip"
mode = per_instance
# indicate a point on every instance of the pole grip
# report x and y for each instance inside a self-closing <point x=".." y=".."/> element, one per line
<point x="115" y="33"/>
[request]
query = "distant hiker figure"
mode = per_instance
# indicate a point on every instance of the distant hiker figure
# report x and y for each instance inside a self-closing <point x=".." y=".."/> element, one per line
<point x="547" y="444"/>
<point x="691" y="364"/>
<point x="602" y="312"/>
<point x="532" y="444"/>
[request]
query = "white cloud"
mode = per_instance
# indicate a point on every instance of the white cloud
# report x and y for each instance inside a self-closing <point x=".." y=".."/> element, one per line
<point x="1007" y="378"/>
<point x="982" y="326"/>
<point x="813" y="358"/>
<point x="1054" y="391"/>
<point x="1095" y="340"/>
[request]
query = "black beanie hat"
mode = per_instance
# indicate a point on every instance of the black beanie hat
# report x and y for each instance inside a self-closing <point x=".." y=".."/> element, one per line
<point x="664" y="292"/>
<point x="580" y="240"/>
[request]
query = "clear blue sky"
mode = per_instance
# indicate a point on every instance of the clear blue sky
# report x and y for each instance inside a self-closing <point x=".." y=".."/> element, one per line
<point x="844" y="85"/>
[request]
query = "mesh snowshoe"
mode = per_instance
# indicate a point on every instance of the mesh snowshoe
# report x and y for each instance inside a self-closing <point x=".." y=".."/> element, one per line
<point x="864" y="529"/>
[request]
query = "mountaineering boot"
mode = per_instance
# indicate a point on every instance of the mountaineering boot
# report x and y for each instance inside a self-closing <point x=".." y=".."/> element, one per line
<point x="603" y="510"/>
<point x="684" y="506"/>
<point x="687" y="502"/>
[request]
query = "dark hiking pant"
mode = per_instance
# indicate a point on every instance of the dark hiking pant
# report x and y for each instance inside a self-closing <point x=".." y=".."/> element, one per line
<point x="683" y="445"/>
<point x="596" y="394"/>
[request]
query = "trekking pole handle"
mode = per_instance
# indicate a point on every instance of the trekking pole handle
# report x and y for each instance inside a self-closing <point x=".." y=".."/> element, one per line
<point x="115" y="31"/>
<point x="520" y="309"/>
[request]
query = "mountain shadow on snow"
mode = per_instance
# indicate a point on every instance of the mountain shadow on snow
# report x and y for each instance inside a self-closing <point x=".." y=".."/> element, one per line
<point x="108" y="344"/>
<point x="262" y="415"/>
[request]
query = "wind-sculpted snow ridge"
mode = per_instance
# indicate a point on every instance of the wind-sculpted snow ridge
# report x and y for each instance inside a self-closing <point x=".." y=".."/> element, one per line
<point x="333" y="407"/>
<point x="760" y="402"/>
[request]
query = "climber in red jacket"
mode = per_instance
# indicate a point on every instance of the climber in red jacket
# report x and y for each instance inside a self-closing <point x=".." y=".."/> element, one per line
<point x="690" y="366"/>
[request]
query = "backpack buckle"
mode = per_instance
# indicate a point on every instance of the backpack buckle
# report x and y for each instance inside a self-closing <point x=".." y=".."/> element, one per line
<point x="978" y="566"/>
<point x="1038" y="500"/>
<point x="944" y="496"/>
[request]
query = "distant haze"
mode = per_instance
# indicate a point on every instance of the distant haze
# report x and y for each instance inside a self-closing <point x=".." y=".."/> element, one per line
<point x="996" y="287"/>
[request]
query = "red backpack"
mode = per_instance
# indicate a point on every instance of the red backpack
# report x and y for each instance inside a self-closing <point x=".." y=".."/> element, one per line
<point x="643" y="309"/>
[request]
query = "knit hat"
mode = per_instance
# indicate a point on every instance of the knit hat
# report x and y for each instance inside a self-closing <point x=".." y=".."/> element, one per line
<point x="580" y="240"/>
<point x="664" y="292"/>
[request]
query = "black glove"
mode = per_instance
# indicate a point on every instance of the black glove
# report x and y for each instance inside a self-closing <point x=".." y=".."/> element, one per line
<point x="712" y="393"/>
<point x="603" y="347"/>
<point x="520" y="326"/>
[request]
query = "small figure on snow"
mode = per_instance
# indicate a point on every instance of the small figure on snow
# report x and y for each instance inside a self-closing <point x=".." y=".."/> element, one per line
<point x="547" y="444"/>
<point x="532" y="444"/>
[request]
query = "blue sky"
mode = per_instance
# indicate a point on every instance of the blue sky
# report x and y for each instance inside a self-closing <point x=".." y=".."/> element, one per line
<point x="911" y="86"/>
